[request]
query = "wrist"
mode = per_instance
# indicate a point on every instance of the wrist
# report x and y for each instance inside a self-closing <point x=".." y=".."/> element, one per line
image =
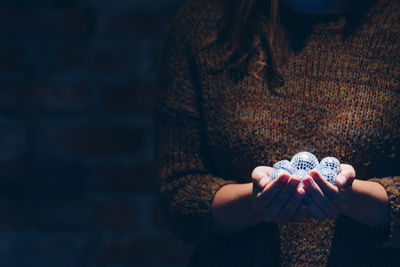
<point x="232" y="208"/>
<point x="352" y="202"/>
<point x="372" y="190"/>
<point x="369" y="204"/>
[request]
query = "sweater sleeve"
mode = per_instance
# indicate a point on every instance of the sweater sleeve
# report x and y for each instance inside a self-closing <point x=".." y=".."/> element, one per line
<point x="185" y="185"/>
<point x="392" y="187"/>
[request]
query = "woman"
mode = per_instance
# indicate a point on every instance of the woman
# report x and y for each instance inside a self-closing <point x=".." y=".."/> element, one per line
<point x="244" y="84"/>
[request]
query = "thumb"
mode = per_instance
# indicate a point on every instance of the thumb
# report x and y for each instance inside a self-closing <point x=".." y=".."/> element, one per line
<point x="260" y="176"/>
<point x="345" y="178"/>
<point x="344" y="182"/>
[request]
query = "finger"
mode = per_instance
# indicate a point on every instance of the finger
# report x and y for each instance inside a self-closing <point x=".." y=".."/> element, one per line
<point x="269" y="171"/>
<point x="255" y="190"/>
<point x="273" y="188"/>
<point x="290" y="208"/>
<point x="301" y="214"/>
<point x="281" y="180"/>
<point x="259" y="178"/>
<point x="318" y="197"/>
<point x="307" y="201"/>
<point x="283" y="196"/>
<point x="345" y="178"/>
<point x="259" y="172"/>
<point x="348" y="168"/>
<point x="260" y="175"/>
<point x="313" y="210"/>
<point x="327" y="188"/>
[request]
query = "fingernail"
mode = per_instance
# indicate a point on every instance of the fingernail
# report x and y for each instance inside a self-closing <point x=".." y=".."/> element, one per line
<point x="341" y="179"/>
<point x="314" y="174"/>
<point x="285" y="175"/>
<point x="301" y="191"/>
<point x="296" y="179"/>
<point x="262" y="182"/>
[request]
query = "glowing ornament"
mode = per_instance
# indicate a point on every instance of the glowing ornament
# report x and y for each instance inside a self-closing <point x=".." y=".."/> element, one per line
<point x="328" y="174"/>
<point x="276" y="173"/>
<point x="284" y="165"/>
<point x="332" y="163"/>
<point x="304" y="160"/>
<point x="299" y="173"/>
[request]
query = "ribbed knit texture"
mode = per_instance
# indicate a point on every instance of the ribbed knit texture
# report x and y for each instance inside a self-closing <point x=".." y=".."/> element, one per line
<point x="341" y="97"/>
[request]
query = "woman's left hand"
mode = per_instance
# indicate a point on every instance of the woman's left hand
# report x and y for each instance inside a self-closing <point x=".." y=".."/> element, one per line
<point x="325" y="199"/>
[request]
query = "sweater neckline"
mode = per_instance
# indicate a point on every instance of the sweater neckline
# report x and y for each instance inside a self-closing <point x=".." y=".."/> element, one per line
<point x="316" y="23"/>
<point x="327" y="23"/>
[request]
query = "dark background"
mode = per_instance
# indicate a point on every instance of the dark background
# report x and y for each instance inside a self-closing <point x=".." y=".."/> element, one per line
<point x="76" y="134"/>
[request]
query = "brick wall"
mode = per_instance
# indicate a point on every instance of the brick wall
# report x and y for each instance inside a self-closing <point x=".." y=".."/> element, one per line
<point x="76" y="137"/>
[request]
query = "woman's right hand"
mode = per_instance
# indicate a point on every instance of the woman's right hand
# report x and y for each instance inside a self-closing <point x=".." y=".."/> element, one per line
<point x="277" y="201"/>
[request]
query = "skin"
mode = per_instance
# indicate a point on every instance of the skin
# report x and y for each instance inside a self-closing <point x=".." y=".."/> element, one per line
<point x="278" y="201"/>
<point x="236" y="207"/>
<point x="363" y="201"/>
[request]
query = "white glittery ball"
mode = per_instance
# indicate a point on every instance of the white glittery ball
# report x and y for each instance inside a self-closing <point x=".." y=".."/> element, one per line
<point x="328" y="174"/>
<point x="284" y="165"/>
<point x="304" y="160"/>
<point x="276" y="173"/>
<point x="332" y="163"/>
<point x="300" y="174"/>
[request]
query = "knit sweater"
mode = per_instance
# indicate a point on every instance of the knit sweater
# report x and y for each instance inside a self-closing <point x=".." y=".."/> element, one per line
<point x="340" y="97"/>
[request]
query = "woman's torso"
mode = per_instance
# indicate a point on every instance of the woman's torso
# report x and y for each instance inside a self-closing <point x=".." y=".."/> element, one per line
<point x="340" y="98"/>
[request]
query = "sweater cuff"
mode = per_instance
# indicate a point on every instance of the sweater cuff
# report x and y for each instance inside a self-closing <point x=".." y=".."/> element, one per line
<point x="392" y="185"/>
<point x="209" y="238"/>
<point x="188" y="210"/>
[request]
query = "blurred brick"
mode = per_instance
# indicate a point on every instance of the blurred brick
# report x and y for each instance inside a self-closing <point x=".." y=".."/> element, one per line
<point x="130" y="61"/>
<point x="126" y="100"/>
<point x="70" y="140"/>
<point x="44" y="22"/>
<point x="113" y="59"/>
<point x="150" y="250"/>
<point x="122" y="177"/>
<point x="44" y="98"/>
<point x="118" y="213"/>
<point x="138" y="23"/>
<point x="25" y="178"/>
<point x="40" y="59"/>
<point x="157" y="218"/>
<point x="13" y="140"/>
<point x="14" y="176"/>
<point x="42" y="249"/>
<point x="14" y="58"/>
<point x="132" y="3"/>
<point x="77" y="181"/>
<point x="66" y="57"/>
<point x="38" y="3"/>
<point x="16" y="98"/>
<point x="61" y="179"/>
<point x="50" y="214"/>
<point x="51" y="99"/>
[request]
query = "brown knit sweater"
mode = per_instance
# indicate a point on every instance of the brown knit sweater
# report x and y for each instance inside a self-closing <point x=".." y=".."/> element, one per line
<point x="340" y="97"/>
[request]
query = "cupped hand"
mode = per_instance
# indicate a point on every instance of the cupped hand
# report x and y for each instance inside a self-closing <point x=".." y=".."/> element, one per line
<point x="277" y="201"/>
<point x="326" y="200"/>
